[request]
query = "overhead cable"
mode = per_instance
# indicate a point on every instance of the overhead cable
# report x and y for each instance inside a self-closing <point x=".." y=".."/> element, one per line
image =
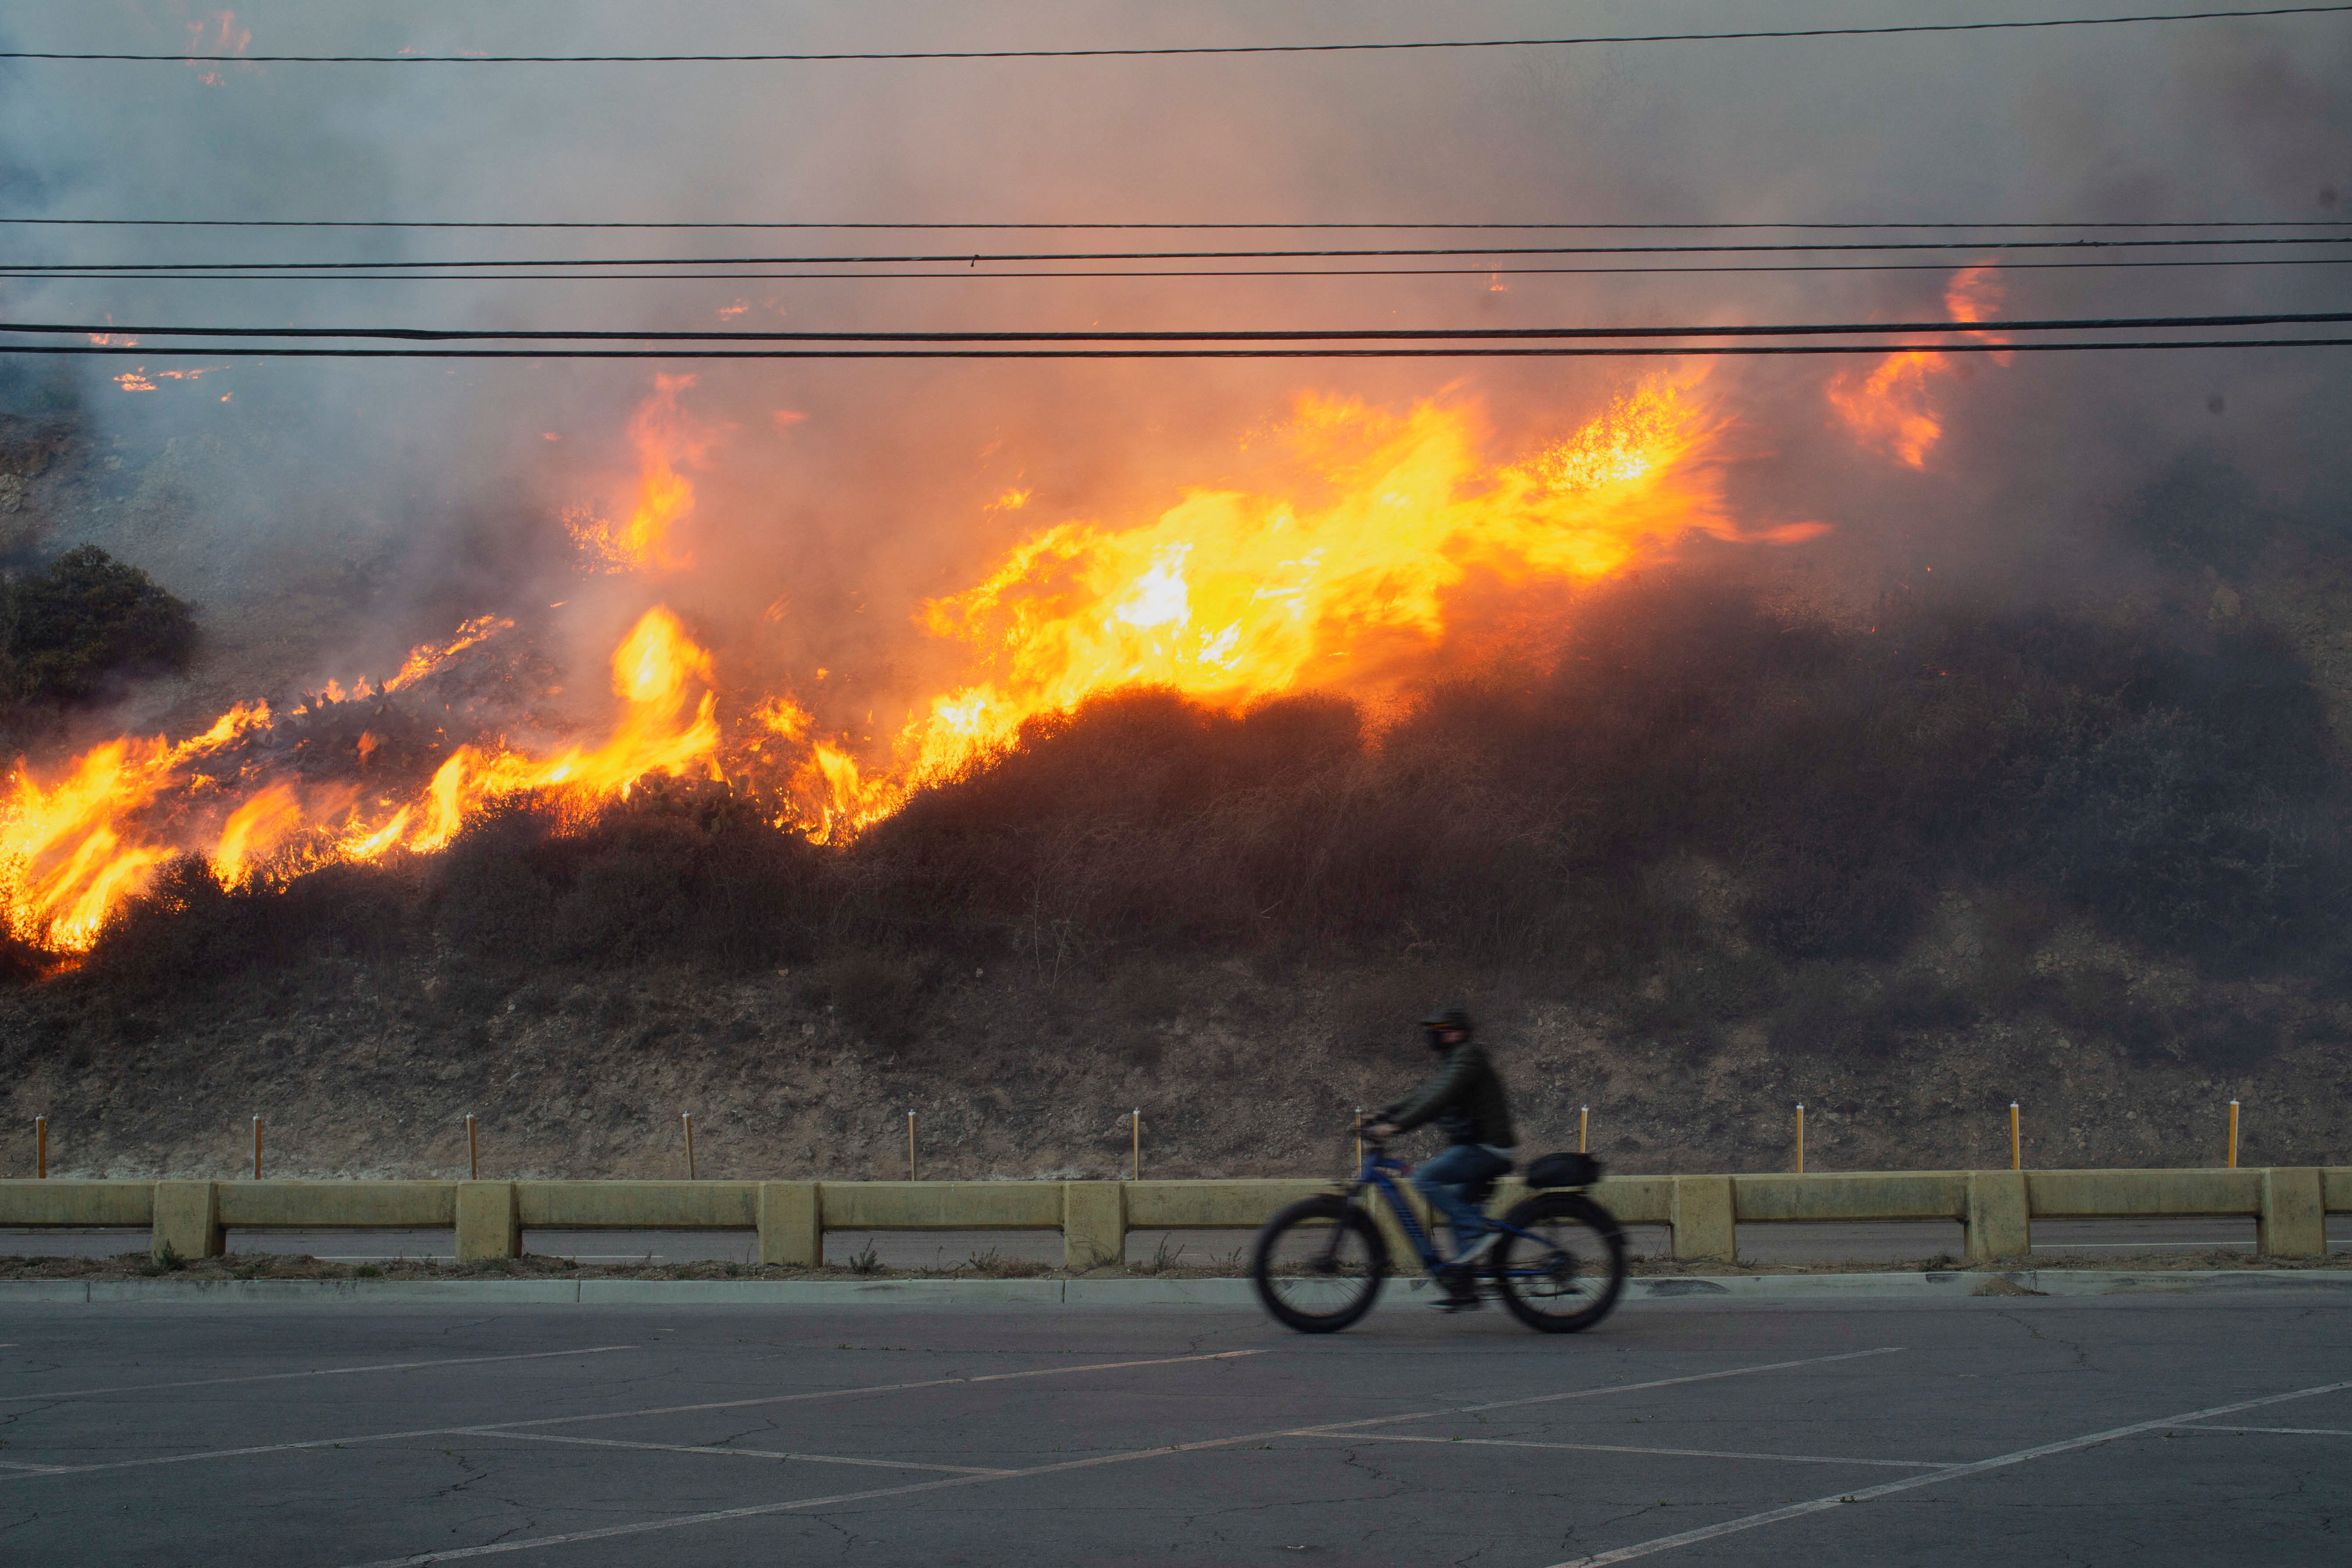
<point x="757" y="224"/>
<point x="1315" y="334"/>
<point x="1181" y="50"/>
<point x="1200" y="272"/>
<point x="973" y="259"/>
<point x="1547" y="351"/>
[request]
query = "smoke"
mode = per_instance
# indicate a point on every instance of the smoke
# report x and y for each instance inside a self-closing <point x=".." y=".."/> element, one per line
<point x="324" y="515"/>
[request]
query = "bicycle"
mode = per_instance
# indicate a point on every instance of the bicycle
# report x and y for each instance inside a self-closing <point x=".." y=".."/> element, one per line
<point x="1558" y="1265"/>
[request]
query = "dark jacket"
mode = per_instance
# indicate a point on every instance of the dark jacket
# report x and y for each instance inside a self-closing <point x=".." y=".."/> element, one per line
<point x="1465" y="1100"/>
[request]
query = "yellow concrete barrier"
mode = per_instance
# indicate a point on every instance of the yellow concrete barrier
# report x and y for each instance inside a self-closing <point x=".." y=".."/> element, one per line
<point x="2336" y="1186"/>
<point x="2129" y="1195"/>
<point x="1212" y="1205"/>
<point x="942" y="1205"/>
<point x="1094" y="1224"/>
<point x="489" y="1221"/>
<point x="791" y="1223"/>
<point x="331" y="1205"/>
<point x="190" y="1218"/>
<point x="639" y="1205"/>
<point x="1703" y="1218"/>
<point x="2000" y="1216"/>
<point x="1851" y="1195"/>
<point x="187" y="1221"/>
<point x="30" y="1202"/>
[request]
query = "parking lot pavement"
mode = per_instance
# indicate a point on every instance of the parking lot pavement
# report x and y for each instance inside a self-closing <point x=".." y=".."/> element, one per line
<point x="2148" y="1430"/>
<point x="1906" y="1241"/>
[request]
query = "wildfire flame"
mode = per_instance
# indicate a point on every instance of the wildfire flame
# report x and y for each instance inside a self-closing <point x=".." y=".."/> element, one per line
<point x="1341" y="577"/>
<point x="1230" y="596"/>
<point x="74" y="848"/>
<point x="666" y="438"/>
<point x="1893" y="406"/>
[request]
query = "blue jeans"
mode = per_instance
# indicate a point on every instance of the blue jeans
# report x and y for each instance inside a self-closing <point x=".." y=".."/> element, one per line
<point x="1443" y="1180"/>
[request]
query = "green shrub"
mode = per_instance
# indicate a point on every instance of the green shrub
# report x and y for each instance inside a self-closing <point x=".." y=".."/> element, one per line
<point x="65" y="632"/>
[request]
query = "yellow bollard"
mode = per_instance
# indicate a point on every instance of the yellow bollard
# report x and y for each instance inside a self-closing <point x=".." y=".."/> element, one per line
<point x="1135" y="1167"/>
<point x="257" y="1148"/>
<point x="473" y="1150"/>
<point x="2016" y="1150"/>
<point x="2233" y="1134"/>
<point x="687" y="1118"/>
<point x="41" y="1147"/>
<point x="1584" y="1129"/>
<point x="1800" y="1138"/>
<point x="910" y="1145"/>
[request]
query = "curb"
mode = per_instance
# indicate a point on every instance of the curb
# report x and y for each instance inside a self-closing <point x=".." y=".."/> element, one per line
<point x="1082" y="1292"/>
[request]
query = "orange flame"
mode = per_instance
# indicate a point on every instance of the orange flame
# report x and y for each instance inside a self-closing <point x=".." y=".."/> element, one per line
<point x="1342" y="577"/>
<point x="71" y="850"/>
<point x="1229" y="596"/>
<point x="1891" y="406"/>
<point x="665" y="437"/>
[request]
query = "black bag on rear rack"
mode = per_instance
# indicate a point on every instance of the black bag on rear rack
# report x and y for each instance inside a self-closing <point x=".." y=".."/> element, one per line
<point x="1564" y="1171"/>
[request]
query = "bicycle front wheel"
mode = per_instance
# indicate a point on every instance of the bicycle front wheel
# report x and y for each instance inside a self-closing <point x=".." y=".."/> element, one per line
<point x="1569" y="1275"/>
<point x="1319" y="1265"/>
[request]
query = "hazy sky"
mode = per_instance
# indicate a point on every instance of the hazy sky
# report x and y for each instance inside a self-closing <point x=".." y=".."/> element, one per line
<point x="881" y="488"/>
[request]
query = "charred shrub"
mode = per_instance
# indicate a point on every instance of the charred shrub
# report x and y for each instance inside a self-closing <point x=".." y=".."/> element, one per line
<point x="497" y="889"/>
<point x="21" y="962"/>
<point x="686" y="873"/>
<point x="185" y="933"/>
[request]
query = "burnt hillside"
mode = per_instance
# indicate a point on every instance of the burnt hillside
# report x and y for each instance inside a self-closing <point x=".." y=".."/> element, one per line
<point x="1719" y="856"/>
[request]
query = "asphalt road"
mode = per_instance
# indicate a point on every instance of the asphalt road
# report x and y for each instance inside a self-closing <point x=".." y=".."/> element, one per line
<point x="2204" y="1429"/>
<point x="1904" y="1242"/>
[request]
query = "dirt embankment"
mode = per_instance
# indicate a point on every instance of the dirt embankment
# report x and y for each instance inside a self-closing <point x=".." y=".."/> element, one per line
<point x="361" y="1070"/>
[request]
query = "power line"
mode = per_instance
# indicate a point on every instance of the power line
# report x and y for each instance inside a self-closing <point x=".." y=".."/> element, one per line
<point x="1187" y="49"/>
<point x="1308" y="272"/>
<point x="1707" y="351"/>
<point x="973" y="259"/>
<point x="624" y="224"/>
<point x="1380" y="334"/>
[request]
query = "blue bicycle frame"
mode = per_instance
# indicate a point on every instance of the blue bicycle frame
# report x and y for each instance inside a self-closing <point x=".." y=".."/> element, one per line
<point x="1380" y="1172"/>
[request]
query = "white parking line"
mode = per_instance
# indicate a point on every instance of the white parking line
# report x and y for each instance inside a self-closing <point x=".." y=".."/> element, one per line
<point x="761" y="1511"/>
<point x="2289" y="1431"/>
<point x="503" y="1427"/>
<point x="1670" y="1453"/>
<point x="321" y="1371"/>
<point x="1957" y="1472"/>
<point x="746" y="1453"/>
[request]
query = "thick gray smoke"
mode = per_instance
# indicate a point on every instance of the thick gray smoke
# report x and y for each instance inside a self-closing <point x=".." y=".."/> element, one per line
<point x="325" y="514"/>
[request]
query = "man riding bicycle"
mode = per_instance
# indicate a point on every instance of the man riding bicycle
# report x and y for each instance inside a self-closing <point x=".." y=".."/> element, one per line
<point x="1467" y="1101"/>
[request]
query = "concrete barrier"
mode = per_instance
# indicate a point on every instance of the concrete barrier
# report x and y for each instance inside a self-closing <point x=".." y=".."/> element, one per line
<point x="190" y="1219"/>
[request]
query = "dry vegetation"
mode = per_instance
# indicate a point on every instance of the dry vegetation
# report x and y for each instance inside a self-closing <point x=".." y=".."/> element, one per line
<point x="1716" y="856"/>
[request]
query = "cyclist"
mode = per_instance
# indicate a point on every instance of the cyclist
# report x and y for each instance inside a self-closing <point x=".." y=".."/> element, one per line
<point x="1467" y="1100"/>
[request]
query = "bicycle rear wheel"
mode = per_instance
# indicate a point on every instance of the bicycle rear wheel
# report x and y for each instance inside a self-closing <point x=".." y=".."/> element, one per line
<point x="1570" y="1278"/>
<point x="1319" y="1265"/>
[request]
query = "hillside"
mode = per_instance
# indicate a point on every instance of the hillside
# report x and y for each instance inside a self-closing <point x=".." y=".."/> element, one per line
<point x="1715" y="853"/>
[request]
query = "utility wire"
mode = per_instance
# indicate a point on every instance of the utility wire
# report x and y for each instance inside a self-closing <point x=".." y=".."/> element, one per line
<point x="538" y="223"/>
<point x="1710" y="351"/>
<point x="1199" y="272"/>
<point x="1370" y="334"/>
<point x="1187" y="49"/>
<point x="973" y="259"/>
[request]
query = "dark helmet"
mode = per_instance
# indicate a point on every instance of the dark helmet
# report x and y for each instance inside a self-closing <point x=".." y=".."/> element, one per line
<point x="1443" y="1020"/>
